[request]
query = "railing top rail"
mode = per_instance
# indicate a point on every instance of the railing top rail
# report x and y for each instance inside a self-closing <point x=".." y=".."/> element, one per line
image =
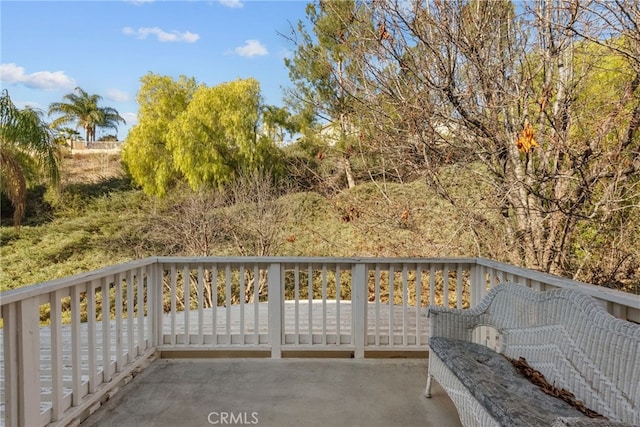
<point x="312" y="260"/>
<point x="612" y="295"/>
<point x="599" y="292"/>
<point x="11" y="296"/>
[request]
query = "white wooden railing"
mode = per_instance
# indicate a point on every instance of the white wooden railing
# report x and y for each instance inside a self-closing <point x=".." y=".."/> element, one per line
<point x="66" y="346"/>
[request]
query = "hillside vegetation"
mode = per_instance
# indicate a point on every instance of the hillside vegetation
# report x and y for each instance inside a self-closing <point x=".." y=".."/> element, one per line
<point x="99" y="219"/>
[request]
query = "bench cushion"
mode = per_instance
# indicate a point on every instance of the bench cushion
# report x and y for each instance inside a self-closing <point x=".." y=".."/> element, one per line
<point x="508" y="397"/>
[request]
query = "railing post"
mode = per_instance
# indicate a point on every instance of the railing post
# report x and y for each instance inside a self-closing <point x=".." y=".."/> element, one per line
<point x="359" y="294"/>
<point x="22" y="362"/>
<point x="276" y="310"/>
<point x="10" y="345"/>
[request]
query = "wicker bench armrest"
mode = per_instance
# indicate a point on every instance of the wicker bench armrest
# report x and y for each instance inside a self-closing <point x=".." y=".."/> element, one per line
<point x="454" y="323"/>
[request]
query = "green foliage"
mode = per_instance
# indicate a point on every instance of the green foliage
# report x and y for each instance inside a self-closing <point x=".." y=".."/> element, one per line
<point x="78" y="197"/>
<point x="215" y="137"/>
<point x="28" y="153"/>
<point x="64" y="247"/>
<point x="605" y="79"/>
<point x="321" y="63"/>
<point x="202" y="135"/>
<point x="324" y="72"/>
<point x="107" y="222"/>
<point x="93" y="231"/>
<point x="146" y="155"/>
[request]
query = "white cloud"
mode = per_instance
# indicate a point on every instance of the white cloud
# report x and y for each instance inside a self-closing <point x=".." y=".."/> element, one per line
<point x="161" y="35"/>
<point x="139" y="2"/>
<point x="47" y="80"/>
<point x="118" y="95"/>
<point x="130" y="118"/>
<point x="251" y="48"/>
<point x="234" y="4"/>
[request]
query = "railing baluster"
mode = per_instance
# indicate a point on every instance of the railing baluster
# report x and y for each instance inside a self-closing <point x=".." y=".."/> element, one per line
<point x="173" y="285"/>
<point x="76" y="348"/>
<point x="459" y="286"/>
<point x="324" y="304"/>
<point x="154" y="291"/>
<point x="377" y="303"/>
<point x="57" y="384"/>
<point x="337" y="304"/>
<point x="256" y="305"/>
<point x="391" y="304"/>
<point x="106" y="332"/>
<point x="405" y="296"/>
<point x="142" y="345"/>
<point x="310" y="308"/>
<point x="130" y="321"/>
<point x="91" y="335"/>
<point x="418" y="303"/>
<point x="186" y="286"/>
<point x="296" y="299"/>
<point x="242" y="302"/>
<point x="200" y="304"/>
<point x="228" y="302"/>
<point x="214" y="308"/>
<point x="118" y="289"/>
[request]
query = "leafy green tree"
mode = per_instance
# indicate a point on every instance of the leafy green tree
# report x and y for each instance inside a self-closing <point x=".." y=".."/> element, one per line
<point x="203" y="135"/>
<point x="27" y="152"/>
<point x="160" y="100"/>
<point x="83" y="109"/>
<point x="216" y="135"/>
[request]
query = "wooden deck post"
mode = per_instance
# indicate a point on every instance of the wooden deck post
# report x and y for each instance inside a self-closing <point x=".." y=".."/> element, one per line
<point x="22" y="362"/>
<point x="359" y="287"/>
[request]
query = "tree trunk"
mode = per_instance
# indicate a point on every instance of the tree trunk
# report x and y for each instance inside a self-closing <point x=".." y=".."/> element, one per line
<point x="351" y="182"/>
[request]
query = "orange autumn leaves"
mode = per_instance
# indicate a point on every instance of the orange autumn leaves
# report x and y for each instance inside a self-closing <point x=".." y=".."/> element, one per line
<point x="525" y="142"/>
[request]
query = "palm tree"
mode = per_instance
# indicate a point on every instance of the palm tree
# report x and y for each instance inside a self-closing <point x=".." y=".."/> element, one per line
<point x="27" y="150"/>
<point x="83" y="109"/>
<point x="67" y="135"/>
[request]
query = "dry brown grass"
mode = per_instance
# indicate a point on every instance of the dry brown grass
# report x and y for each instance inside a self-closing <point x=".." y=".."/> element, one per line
<point x="90" y="168"/>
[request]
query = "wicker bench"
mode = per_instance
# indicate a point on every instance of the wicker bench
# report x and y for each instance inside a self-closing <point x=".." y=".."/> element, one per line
<point x="565" y="335"/>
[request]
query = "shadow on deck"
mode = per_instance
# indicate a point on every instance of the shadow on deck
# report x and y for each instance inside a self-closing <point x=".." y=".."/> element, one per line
<point x="278" y="392"/>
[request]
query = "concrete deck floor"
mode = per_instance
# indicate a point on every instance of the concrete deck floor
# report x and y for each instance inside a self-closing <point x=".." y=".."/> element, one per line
<point x="284" y="392"/>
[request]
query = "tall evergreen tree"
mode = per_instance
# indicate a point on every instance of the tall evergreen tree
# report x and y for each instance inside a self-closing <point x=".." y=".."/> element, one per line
<point x="324" y="75"/>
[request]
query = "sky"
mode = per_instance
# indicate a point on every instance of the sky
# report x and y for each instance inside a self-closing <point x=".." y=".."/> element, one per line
<point x="48" y="48"/>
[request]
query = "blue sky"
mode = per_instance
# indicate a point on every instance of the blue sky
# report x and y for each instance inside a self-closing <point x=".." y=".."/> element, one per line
<point x="47" y="48"/>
